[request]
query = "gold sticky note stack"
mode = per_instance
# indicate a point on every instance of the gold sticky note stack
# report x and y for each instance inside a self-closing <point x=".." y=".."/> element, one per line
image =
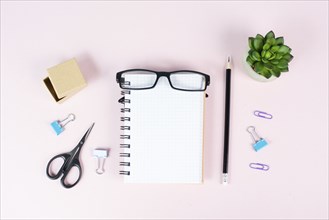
<point x="64" y="80"/>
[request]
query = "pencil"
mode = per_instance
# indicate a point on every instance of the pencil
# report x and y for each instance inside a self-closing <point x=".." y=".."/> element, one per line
<point x="227" y="121"/>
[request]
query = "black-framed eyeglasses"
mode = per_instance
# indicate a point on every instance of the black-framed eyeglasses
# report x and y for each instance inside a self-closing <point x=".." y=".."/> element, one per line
<point x="186" y="80"/>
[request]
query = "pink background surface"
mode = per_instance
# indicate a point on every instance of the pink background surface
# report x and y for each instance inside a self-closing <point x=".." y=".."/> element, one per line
<point x="107" y="37"/>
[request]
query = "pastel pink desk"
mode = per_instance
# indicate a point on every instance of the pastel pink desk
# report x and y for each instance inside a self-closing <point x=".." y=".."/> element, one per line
<point x="107" y="37"/>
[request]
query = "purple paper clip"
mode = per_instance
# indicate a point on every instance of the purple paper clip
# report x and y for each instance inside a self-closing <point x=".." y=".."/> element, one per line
<point x="259" y="166"/>
<point x="263" y="114"/>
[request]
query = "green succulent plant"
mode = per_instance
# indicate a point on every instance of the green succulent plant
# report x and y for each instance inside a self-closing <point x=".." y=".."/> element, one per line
<point x="268" y="56"/>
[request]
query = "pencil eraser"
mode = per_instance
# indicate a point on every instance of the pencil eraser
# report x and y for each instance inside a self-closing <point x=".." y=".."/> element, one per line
<point x="260" y="144"/>
<point x="57" y="127"/>
<point x="100" y="153"/>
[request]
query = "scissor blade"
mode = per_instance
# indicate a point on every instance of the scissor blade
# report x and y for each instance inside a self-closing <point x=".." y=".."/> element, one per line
<point x="84" y="138"/>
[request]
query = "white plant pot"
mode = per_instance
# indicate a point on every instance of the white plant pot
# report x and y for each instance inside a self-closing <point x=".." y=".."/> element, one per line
<point x="256" y="76"/>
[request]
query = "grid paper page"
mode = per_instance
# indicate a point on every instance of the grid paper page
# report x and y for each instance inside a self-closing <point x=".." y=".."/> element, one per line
<point x="166" y="135"/>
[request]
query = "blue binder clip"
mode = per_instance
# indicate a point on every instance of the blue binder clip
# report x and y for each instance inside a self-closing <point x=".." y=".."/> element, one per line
<point x="259" y="142"/>
<point x="58" y="126"/>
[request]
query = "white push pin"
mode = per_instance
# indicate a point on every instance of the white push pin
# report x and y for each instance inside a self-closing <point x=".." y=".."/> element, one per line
<point x="101" y="155"/>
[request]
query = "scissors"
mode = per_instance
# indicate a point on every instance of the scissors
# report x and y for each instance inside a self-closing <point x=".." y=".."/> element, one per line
<point x="71" y="159"/>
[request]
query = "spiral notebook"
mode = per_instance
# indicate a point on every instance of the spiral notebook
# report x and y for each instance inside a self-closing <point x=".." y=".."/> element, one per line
<point x="162" y="135"/>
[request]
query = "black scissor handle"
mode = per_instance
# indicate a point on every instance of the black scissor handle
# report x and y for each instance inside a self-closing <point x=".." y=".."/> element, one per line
<point x="74" y="163"/>
<point x="54" y="176"/>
